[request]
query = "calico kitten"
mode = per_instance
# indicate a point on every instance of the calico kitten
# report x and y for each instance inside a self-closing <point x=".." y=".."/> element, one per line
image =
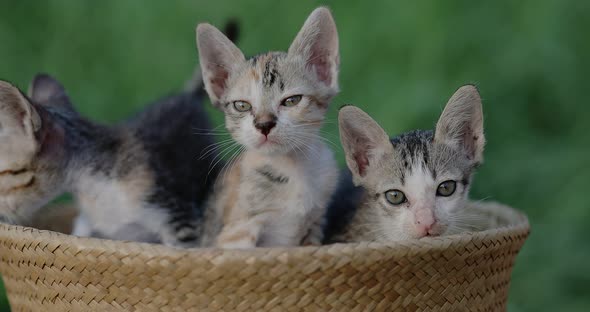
<point x="415" y="184"/>
<point x="274" y="105"/>
<point x="140" y="181"/>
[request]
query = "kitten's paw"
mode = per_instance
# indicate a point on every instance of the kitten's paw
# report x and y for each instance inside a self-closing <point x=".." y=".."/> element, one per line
<point x="239" y="244"/>
<point x="312" y="239"/>
<point x="81" y="227"/>
<point x="315" y="235"/>
<point x="179" y="244"/>
<point x="186" y="237"/>
<point x="235" y="240"/>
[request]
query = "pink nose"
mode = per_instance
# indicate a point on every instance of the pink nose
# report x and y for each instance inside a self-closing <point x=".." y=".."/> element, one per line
<point x="424" y="221"/>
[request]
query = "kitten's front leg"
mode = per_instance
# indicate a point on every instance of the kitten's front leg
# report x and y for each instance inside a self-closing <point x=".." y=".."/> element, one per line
<point x="242" y="233"/>
<point x="183" y="237"/>
<point x="317" y="216"/>
<point x="315" y="231"/>
<point x="182" y="231"/>
<point x="81" y="227"/>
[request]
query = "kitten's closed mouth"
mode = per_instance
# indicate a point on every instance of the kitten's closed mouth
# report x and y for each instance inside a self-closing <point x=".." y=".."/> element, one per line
<point x="267" y="141"/>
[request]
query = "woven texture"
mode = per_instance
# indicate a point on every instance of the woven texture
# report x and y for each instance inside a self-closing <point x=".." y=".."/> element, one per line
<point x="48" y="271"/>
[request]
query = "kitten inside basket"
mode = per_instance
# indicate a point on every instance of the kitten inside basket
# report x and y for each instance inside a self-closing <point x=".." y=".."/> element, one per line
<point x="143" y="180"/>
<point x="140" y="180"/>
<point x="119" y="175"/>
<point x="413" y="185"/>
<point x="276" y="191"/>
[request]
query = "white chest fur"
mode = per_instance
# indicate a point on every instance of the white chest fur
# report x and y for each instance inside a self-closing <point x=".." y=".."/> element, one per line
<point x="294" y="191"/>
<point x="109" y="206"/>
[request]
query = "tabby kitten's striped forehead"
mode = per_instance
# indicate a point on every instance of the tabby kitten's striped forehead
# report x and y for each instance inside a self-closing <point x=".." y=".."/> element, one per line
<point x="417" y="183"/>
<point x="269" y="96"/>
<point x="417" y="150"/>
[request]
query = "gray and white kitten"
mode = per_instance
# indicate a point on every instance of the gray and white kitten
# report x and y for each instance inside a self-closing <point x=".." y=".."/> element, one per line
<point x="140" y="180"/>
<point x="414" y="185"/>
<point x="274" y="106"/>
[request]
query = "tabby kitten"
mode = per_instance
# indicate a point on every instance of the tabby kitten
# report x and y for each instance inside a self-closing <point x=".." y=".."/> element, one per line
<point x="138" y="181"/>
<point x="414" y="185"/>
<point x="274" y="106"/>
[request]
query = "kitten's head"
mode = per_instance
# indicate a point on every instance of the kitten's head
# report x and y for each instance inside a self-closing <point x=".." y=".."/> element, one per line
<point x="417" y="183"/>
<point x="30" y="149"/>
<point x="273" y="102"/>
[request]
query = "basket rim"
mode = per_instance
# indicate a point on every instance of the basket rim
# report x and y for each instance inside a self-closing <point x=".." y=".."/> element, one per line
<point x="51" y="239"/>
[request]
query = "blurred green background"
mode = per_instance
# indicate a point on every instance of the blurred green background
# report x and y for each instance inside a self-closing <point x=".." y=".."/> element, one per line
<point x="401" y="61"/>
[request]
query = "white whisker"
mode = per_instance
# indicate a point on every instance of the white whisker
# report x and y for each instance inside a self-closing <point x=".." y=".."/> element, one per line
<point x="214" y="147"/>
<point x="234" y="159"/>
<point x="220" y="156"/>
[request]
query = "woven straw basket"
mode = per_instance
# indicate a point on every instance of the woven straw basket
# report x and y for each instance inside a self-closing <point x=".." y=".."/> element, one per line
<point x="48" y="271"/>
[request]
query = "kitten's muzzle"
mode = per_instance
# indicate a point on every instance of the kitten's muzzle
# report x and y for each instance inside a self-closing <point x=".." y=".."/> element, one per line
<point x="425" y="222"/>
<point x="265" y="124"/>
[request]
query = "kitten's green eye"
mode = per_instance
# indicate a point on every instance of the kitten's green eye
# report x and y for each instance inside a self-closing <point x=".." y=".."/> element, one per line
<point x="446" y="188"/>
<point x="395" y="197"/>
<point x="242" y="106"/>
<point x="292" y="100"/>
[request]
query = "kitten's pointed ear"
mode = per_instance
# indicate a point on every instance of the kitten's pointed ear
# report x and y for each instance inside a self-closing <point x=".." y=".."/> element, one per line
<point x="17" y="114"/>
<point x="363" y="140"/>
<point x="317" y="43"/>
<point x="461" y="123"/>
<point x="218" y="56"/>
<point x="19" y="126"/>
<point x="46" y="90"/>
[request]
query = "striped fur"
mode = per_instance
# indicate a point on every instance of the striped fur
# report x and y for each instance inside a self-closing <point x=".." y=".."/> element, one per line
<point x="283" y="174"/>
<point x="141" y="180"/>
<point x="415" y="163"/>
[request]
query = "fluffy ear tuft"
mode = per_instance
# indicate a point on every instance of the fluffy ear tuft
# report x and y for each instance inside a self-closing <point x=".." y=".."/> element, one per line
<point x="363" y="140"/>
<point x="317" y="42"/>
<point x="46" y="90"/>
<point x="461" y="123"/>
<point x="218" y="56"/>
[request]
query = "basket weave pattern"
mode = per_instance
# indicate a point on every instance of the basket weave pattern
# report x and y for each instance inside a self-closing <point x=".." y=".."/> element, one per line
<point x="48" y="271"/>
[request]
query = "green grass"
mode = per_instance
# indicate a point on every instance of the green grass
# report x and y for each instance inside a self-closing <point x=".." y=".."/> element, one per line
<point x="401" y="61"/>
<point x="3" y="300"/>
